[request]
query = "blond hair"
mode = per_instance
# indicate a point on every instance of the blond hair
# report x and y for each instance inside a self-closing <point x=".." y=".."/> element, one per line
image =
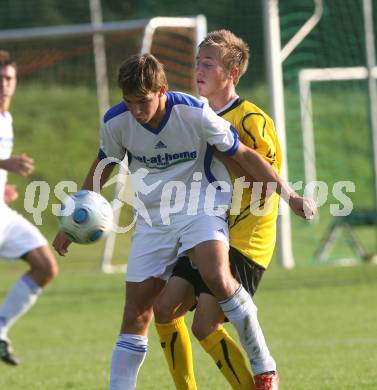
<point x="232" y="50"/>
<point x="141" y="74"/>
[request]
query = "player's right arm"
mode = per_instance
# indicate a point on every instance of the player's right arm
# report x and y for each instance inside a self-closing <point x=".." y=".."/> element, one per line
<point x="61" y="242"/>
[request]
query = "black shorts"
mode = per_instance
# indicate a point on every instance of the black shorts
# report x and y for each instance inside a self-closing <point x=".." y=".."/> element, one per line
<point x="248" y="273"/>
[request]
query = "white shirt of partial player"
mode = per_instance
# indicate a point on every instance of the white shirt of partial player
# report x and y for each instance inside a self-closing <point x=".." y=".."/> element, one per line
<point x="6" y="146"/>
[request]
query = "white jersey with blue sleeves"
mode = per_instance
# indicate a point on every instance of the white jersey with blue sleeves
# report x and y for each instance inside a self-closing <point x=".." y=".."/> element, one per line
<point x="17" y="235"/>
<point x="180" y="147"/>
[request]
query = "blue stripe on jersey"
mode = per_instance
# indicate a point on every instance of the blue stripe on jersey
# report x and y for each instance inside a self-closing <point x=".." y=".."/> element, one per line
<point x="208" y="157"/>
<point x="102" y="155"/>
<point x="174" y="98"/>
<point x="232" y="151"/>
<point x="181" y="98"/>
<point x="114" y="111"/>
<point x="207" y="164"/>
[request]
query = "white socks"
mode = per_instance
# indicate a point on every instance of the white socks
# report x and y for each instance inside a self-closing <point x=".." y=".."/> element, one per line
<point x="242" y="313"/>
<point x="19" y="300"/>
<point x="128" y="356"/>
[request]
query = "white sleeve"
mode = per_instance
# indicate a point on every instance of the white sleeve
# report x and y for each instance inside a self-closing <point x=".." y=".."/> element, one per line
<point x="110" y="143"/>
<point x="219" y="132"/>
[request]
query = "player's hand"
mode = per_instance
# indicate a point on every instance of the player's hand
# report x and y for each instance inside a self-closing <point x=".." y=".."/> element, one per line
<point x="303" y="207"/>
<point x="61" y="243"/>
<point x="21" y="164"/>
<point x="10" y="193"/>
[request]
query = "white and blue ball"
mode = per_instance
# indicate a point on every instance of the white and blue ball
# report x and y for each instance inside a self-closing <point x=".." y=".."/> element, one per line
<point x="85" y="217"/>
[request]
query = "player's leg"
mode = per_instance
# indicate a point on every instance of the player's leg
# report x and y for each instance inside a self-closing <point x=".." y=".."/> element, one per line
<point x="169" y="310"/>
<point x="132" y="343"/>
<point x="211" y="258"/>
<point x="43" y="266"/>
<point x="249" y="273"/>
<point x="215" y="340"/>
<point x="23" y="241"/>
<point x="150" y="262"/>
<point x="25" y="291"/>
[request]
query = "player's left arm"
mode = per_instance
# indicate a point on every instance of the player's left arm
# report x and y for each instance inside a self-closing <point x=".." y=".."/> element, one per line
<point x="261" y="170"/>
<point x="104" y="173"/>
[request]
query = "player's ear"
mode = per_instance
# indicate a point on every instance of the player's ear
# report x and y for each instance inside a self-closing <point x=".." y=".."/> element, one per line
<point x="234" y="73"/>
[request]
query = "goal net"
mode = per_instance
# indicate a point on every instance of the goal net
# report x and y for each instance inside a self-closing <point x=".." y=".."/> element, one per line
<point x="58" y="64"/>
<point x="329" y="135"/>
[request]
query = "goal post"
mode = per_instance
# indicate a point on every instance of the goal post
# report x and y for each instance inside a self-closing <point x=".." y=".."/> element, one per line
<point x="275" y="56"/>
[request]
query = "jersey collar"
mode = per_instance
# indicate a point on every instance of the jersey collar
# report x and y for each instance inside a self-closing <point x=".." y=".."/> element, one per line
<point x="229" y="106"/>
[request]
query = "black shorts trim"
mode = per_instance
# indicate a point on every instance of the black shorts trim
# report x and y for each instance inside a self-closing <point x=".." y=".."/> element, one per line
<point x="248" y="273"/>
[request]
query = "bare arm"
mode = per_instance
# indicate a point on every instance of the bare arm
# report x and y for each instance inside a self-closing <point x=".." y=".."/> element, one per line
<point x="262" y="171"/>
<point x="20" y="163"/>
<point x="235" y="168"/>
<point x="61" y="242"/>
<point x="104" y="173"/>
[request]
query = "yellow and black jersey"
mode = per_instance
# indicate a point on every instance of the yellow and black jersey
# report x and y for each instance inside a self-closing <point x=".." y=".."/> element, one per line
<point x="253" y="229"/>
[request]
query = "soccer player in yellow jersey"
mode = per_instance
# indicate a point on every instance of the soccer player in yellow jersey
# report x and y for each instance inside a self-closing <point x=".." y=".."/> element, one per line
<point x="222" y="60"/>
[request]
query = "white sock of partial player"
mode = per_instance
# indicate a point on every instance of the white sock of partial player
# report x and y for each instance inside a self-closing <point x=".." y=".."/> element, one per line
<point x="242" y="313"/>
<point x="128" y="356"/>
<point x="21" y="297"/>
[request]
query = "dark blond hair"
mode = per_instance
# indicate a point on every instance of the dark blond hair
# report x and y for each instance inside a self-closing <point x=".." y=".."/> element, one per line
<point x="141" y="74"/>
<point x="6" y="60"/>
<point x="232" y="50"/>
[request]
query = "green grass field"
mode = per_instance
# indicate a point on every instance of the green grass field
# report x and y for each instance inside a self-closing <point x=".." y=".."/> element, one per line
<point x="320" y="321"/>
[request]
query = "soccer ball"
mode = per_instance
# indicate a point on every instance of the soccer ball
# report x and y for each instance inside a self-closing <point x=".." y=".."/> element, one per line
<point x="85" y="217"/>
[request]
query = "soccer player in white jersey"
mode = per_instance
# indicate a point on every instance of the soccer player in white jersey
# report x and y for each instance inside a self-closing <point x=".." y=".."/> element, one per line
<point x="170" y="136"/>
<point x="19" y="239"/>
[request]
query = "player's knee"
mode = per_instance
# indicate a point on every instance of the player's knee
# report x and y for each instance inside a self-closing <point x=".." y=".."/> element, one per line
<point x="217" y="282"/>
<point x="202" y="329"/>
<point x="44" y="267"/>
<point x="49" y="267"/>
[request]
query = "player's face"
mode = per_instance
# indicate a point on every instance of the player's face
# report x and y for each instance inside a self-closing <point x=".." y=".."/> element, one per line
<point x="144" y="108"/>
<point x="7" y="82"/>
<point x="211" y="77"/>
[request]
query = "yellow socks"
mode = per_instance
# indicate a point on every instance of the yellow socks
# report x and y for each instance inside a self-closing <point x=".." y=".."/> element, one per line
<point x="176" y="344"/>
<point x="175" y="341"/>
<point x="229" y="359"/>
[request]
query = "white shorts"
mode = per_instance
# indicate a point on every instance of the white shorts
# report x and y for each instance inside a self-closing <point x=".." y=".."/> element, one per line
<point x="17" y="235"/>
<point x="155" y="250"/>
